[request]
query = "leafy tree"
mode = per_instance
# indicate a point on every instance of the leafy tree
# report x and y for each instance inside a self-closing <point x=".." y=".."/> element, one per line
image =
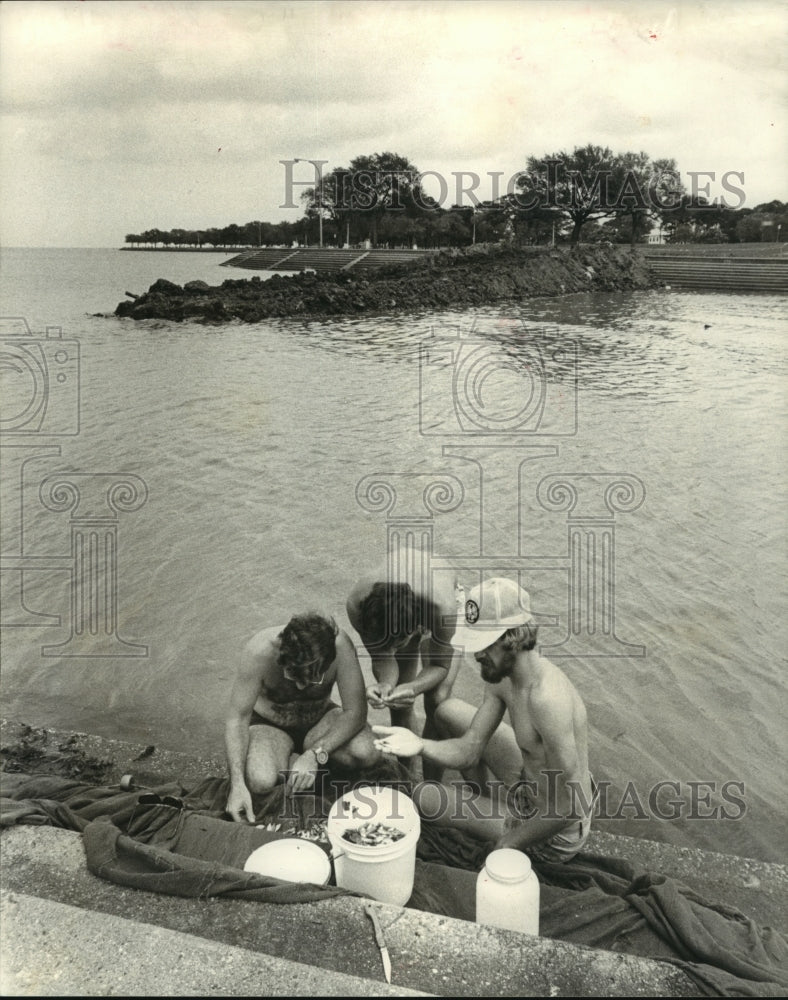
<point x="361" y="195"/>
<point x="594" y="183"/>
<point x="575" y="185"/>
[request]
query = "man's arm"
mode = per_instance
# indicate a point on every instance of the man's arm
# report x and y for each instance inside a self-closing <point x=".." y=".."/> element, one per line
<point x="554" y="721"/>
<point x="352" y="695"/>
<point x="243" y="696"/>
<point x="385" y="668"/>
<point x="458" y="753"/>
<point x="437" y="653"/>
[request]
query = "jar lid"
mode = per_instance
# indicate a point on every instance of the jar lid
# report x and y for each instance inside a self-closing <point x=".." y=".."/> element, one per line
<point x="508" y="865"/>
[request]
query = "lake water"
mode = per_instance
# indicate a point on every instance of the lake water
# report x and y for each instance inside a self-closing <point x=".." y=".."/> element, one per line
<point x="248" y="453"/>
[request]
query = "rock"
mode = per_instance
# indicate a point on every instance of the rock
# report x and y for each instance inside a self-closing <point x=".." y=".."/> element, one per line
<point x="163" y="287"/>
<point x="464" y="279"/>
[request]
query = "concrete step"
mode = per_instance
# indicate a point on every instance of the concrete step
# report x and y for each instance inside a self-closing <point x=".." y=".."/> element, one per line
<point x="758" y="888"/>
<point x="731" y="269"/>
<point x="742" y="263"/>
<point x="431" y="954"/>
<point x="296" y="945"/>
<point x="55" y="949"/>
<point x="734" y="274"/>
<point x="325" y="259"/>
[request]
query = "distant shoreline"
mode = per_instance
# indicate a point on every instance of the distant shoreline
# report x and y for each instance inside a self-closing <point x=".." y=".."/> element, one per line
<point x="230" y="250"/>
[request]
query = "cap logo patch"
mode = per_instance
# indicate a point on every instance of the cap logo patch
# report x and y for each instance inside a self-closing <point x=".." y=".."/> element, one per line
<point x="471" y="612"/>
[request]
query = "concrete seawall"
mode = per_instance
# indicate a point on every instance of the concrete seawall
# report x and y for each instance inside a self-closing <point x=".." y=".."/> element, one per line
<point x="67" y="932"/>
<point x="720" y="273"/>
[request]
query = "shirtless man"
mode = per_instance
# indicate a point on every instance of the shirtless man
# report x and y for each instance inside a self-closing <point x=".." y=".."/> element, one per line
<point x="403" y="630"/>
<point x="281" y="716"/>
<point x="535" y="772"/>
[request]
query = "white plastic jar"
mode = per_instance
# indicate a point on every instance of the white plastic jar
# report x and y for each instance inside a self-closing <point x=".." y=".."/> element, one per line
<point x="507" y="892"/>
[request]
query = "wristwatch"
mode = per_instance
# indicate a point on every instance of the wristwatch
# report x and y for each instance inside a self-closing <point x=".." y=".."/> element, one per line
<point x="321" y="755"/>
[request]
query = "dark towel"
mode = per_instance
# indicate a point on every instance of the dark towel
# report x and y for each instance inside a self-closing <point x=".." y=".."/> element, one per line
<point x="142" y="839"/>
<point x="122" y="859"/>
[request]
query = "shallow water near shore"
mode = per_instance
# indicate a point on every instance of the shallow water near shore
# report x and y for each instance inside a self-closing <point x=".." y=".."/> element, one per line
<point x="252" y="448"/>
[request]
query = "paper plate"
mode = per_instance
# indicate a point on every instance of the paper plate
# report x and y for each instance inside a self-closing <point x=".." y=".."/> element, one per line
<point x="291" y="860"/>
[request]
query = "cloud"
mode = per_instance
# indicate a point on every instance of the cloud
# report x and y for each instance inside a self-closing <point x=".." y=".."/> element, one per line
<point x="106" y="55"/>
<point x="223" y="91"/>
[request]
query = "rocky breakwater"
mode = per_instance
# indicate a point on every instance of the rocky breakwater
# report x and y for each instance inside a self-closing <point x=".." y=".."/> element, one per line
<point x="460" y="279"/>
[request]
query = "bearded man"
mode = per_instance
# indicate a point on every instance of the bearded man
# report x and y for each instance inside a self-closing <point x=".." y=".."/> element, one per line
<point x="526" y="785"/>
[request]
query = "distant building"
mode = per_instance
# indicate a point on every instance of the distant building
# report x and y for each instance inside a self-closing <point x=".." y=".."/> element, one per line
<point x="655" y="237"/>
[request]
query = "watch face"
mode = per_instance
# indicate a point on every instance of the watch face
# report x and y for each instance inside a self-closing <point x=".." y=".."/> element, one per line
<point x="321" y="756"/>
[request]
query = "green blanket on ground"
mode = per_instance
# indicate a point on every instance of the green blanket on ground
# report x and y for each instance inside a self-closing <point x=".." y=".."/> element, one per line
<point x="180" y="842"/>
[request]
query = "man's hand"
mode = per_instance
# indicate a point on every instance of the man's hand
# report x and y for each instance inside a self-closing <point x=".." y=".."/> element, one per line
<point x="514" y="839"/>
<point x="377" y="695"/>
<point x="302" y="772"/>
<point x="239" y="804"/>
<point x="398" y="740"/>
<point x="401" y="697"/>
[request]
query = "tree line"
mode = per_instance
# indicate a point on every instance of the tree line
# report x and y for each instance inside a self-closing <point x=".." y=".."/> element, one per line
<point x="590" y="193"/>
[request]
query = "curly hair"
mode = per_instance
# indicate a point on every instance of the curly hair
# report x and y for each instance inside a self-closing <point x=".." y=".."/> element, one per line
<point x="308" y="646"/>
<point x="523" y="637"/>
<point x="389" y="612"/>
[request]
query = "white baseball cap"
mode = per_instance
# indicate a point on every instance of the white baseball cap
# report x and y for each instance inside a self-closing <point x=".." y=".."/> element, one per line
<point x="491" y="609"/>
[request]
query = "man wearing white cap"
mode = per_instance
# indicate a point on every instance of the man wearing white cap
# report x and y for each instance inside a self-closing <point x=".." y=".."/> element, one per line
<point x="537" y="794"/>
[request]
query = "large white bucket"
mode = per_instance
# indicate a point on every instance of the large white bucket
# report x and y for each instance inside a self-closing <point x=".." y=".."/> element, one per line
<point x="384" y="872"/>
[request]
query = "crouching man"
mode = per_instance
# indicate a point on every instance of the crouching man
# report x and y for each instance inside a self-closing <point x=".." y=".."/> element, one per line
<point x="530" y="788"/>
<point x="281" y="717"/>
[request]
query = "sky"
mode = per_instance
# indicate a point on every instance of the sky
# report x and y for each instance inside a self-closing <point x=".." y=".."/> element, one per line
<point x="123" y="116"/>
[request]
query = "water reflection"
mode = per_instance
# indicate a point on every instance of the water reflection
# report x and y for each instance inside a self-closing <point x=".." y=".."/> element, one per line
<point x="663" y="344"/>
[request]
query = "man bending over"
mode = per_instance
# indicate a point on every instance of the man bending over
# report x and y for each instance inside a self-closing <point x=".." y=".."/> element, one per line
<point x="407" y="633"/>
<point x="281" y="717"/>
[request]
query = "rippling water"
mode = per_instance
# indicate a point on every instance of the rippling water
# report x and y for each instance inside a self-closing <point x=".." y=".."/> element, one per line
<point x="252" y="440"/>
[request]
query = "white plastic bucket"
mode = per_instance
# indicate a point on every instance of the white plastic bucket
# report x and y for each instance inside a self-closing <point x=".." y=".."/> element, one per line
<point x="384" y="872"/>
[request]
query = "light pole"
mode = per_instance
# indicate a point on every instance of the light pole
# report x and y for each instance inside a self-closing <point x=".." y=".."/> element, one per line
<point x="319" y="176"/>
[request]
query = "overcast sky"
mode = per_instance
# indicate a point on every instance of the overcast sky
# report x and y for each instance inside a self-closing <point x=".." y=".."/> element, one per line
<point x="119" y="117"/>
